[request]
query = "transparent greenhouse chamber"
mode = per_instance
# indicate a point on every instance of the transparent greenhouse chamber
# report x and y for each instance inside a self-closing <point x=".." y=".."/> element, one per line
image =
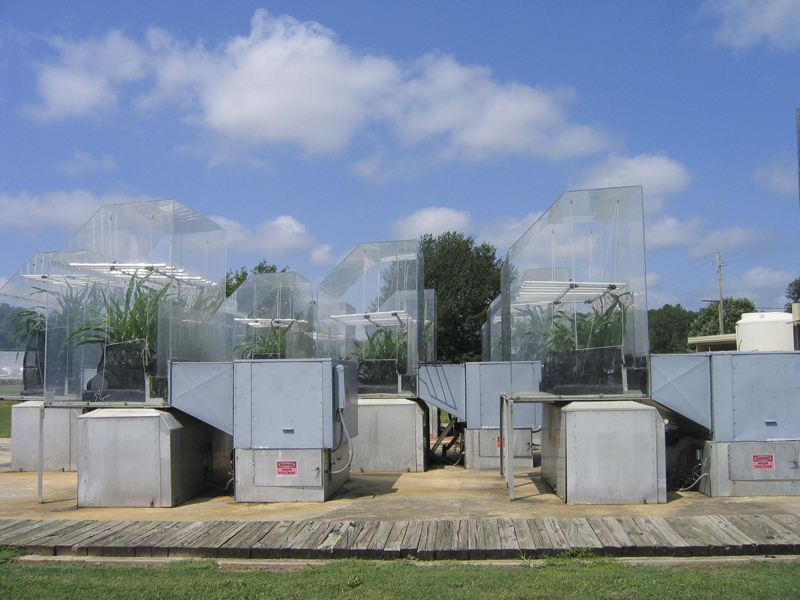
<point x="139" y="285"/>
<point x="574" y="295"/>
<point x="369" y="310"/>
<point x="277" y="317"/>
<point x="26" y="294"/>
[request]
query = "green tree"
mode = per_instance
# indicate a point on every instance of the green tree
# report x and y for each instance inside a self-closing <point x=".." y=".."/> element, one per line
<point x="233" y="279"/>
<point x="707" y="320"/>
<point x="466" y="277"/>
<point x="792" y="294"/>
<point x="669" y="329"/>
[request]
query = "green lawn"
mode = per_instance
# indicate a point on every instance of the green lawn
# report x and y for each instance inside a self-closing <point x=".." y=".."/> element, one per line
<point x="586" y="580"/>
<point x="5" y="417"/>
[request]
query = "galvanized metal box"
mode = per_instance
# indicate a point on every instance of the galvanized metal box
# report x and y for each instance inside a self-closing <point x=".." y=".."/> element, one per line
<point x="391" y="436"/>
<point x="60" y="437"/>
<point x="140" y="458"/>
<point x="605" y="452"/>
<point x="205" y="391"/>
<point x="300" y="403"/>
<point x="751" y="469"/>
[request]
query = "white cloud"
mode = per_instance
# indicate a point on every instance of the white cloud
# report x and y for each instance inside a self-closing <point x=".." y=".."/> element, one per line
<point x="659" y="175"/>
<point x="668" y="231"/>
<point x="746" y="23"/>
<point x="726" y="239"/>
<point x="293" y="83"/>
<point x="779" y="177"/>
<point x="472" y="116"/>
<point x="83" y="162"/>
<point x="63" y="210"/>
<point x="321" y="256"/>
<point x="504" y="232"/>
<point x="87" y="76"/>
<point x="274" y="239"/>
<point x="434" y="220"/>
<point x="764" y="286"/>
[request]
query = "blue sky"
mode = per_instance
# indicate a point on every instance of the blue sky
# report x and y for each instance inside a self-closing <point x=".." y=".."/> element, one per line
<point x="308" y="127"/>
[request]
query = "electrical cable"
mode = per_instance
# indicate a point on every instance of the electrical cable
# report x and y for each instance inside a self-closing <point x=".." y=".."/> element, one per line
<point x="349" y="445"/>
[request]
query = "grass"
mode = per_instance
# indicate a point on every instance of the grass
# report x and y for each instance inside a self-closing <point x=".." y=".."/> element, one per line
<point x="5" y="417"/>
<point x="559" y="578"/>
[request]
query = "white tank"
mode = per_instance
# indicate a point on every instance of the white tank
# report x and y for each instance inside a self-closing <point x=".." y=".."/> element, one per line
<point x="762" y="332"/>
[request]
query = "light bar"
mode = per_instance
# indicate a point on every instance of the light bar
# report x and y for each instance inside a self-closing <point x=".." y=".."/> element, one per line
<point x="262" y="323"/>
<point x="379" y="319"/>
<point x="556" y="292"/>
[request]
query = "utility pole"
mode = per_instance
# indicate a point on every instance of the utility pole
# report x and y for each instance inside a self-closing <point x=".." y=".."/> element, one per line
<point x="719" y="264"/>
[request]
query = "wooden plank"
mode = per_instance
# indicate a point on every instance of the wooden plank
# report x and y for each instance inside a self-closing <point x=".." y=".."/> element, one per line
<point x="42" y="541"/>
<point x="239" y="544"/>
<point x="163" y="529"/>
<point x="702" y="541"/>
<point x="491" y="534"/>
<point x="73" y="545"/>
<point x="746" y="543"/>
<point x="476" y="542"/>
<point x="276" y="542"/>
<point x="541" y="538"/>
<point x="360" y="545"/>
<point x="394" y="542"/>
<point x="124" y="542"/>
<point x="187" y="545"/>
<point x="626" y="544"/>
<point x="17" y="535"/>
<point x="8" y="523"/>
<point x="735" y="541"/>
<point x="93" y="546"/>
<point x="298" y="544"/>
<point x="313" y="543"/>
<point x="527" y="548"/>
<point x="790" y="539"/>
<point x="791" y="522"/>
<point x="662" y="546"/>
<point x="208" y="545"/>
<point x="557" y="539"/>
<point x="162" y="546"/>
<point x="680" y="547"/>
<point x="766" y="542"/>
<point x="378" y="542"/>
<point x="348" y="538"/>
<point x="611" y="545"/>
<point x="411" y="539"/>
<point x="579" y="534"/>
<point x="646" y="544"/>
<point x="427" y="539"/>
<point x="443" y="544"/>
<point x="326" y="547"/>
<point x="508" y="538"/>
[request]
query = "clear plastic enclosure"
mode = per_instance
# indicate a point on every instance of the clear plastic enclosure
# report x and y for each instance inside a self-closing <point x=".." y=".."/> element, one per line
<point x="429" y="331"/>
<point x="138" y="285"/>
<point x="574" y="294"/>
<point x="369" y="308"/>
<point x="25" y="295"/>
<point x="276" y="317"/>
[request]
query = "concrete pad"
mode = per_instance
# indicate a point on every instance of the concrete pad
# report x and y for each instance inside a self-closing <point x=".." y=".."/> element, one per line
<point x="444" y="493"/>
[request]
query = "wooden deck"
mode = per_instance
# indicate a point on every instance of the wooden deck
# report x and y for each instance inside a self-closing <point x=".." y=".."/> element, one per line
<point x="426" y="540"/>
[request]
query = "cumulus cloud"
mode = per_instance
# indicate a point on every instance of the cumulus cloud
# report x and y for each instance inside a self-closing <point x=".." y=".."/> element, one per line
<point x="659" y="175"/>
<point x="63" y="210"/>
<point x="292" y="83"/>
<point x="83" y="162"/>
<point x="764" y="286"/>
<point x="434" y="220"/>
<point x="276" y="239"/>
<point x="726" y="239"/>
<point x="502" y="233"/>
<point x="668" y="231"/>
<point x="746" y="23"/>
<point x="87" y="76"/>
<point x="779" y="177"/>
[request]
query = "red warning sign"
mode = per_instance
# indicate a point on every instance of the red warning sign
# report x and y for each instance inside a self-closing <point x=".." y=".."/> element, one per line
<point x="763" y="462"/>
<point x="286" y="467"/>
